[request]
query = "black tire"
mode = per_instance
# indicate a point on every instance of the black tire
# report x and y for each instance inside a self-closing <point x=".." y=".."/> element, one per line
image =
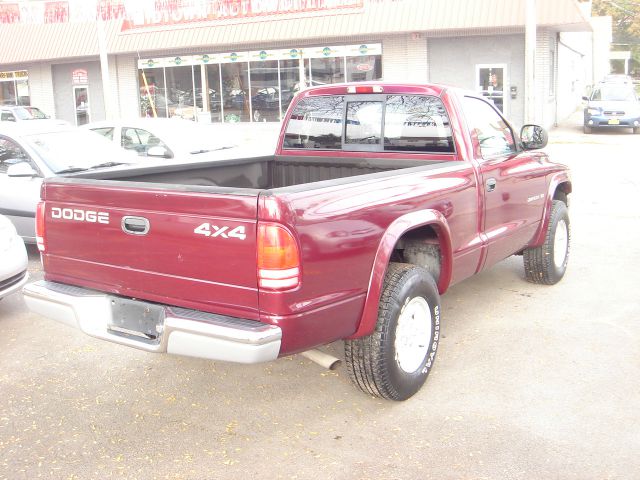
<point x="543" y="264"/>
<point x="636" y="129"/>
<point x="587" y="130"/>
<point x="373" y="362"/>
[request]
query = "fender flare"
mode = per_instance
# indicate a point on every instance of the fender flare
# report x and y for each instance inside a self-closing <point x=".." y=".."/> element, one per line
<point x="386" y="246"/>
<point x="541" y="234"/>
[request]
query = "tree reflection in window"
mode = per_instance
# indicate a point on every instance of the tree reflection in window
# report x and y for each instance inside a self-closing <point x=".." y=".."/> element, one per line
<point x="417" y="124"/>
<point x="316" y="123"/>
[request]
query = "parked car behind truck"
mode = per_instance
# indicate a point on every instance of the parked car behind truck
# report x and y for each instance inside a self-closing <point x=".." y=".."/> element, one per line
<point x="378" y="198"/>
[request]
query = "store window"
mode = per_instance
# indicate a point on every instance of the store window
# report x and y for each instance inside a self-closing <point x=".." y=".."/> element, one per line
<point x="180" y="94"/>
<point x="289" y="82"/>
<point x="364" y="69"/>
<point x="247" y="86"/>
<point x="211" y="93"/>
<point x="265" y="91"/>
<point x="235" y="92"/>
<point x="325" y="70"/>
<point x="153" y="100"/>
<point x="14" y="88"/>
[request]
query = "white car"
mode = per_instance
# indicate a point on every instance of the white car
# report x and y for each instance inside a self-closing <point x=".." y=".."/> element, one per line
<point x="13" y="259"/>
<point x="184" y="140"/>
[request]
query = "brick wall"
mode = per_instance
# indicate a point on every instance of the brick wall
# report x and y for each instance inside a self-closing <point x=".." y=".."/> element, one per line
<point x="41" y="87"/>
<point x="404" y="58"/>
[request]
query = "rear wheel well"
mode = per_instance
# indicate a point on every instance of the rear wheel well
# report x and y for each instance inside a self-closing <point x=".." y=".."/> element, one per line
<point x="421" y="247"/>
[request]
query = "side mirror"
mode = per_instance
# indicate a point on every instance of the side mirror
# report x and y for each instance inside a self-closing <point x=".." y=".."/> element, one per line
<point x="533" y="137"/>
<point x="158" y="151"/>
<point x="21" y="169"/>
<point x="585" y="98"/>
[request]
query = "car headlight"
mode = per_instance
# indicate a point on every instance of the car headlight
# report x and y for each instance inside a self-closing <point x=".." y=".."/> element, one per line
<point x="594" y="111"/>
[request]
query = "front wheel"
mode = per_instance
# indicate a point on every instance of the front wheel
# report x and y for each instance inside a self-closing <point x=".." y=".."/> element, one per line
<point x="547" y="263"/>
<point x="395" y="360"/>
<point x="586" y="129"/>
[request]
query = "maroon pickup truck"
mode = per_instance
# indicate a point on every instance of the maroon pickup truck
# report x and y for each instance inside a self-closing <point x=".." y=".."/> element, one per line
<point x="378" y="198"/>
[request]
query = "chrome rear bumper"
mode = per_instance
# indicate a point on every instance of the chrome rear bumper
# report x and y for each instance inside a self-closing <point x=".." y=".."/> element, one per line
<point x="176" y="331"/>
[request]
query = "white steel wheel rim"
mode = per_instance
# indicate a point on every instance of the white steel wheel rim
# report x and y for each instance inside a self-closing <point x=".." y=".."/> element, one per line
<point x="560" y="244"/>
<point x="413" y="334"/>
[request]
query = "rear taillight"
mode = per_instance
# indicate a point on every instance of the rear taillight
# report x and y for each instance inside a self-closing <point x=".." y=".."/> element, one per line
<point x="40" y="210"/>
<point x="278" y="258"/>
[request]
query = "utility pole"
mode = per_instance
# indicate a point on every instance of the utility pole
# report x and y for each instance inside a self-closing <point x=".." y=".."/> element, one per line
<point x="104" y="69"/>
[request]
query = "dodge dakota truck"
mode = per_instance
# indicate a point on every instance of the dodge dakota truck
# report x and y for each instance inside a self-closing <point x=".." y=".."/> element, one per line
<point x="378" y="198"/>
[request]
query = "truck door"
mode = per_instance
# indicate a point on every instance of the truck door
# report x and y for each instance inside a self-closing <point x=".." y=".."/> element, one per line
<point x="514" y="182"/>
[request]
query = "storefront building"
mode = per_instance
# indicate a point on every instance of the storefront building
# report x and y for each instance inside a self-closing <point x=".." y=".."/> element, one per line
<point x="244" y="60"/>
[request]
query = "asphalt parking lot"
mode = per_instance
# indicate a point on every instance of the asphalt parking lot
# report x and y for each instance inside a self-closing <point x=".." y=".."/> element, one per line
<point x="531" y="382"/>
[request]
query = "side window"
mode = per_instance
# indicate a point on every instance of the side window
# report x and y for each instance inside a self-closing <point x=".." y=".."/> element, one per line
<point x="414" y="123"/>
<point x="106" y="132"/>
<point x="140" y="140"/>
<point x="316" y="123"/>
<point x="10" y="154"/>
<point x="7" y="117"/>
<point x="494" y="135"/>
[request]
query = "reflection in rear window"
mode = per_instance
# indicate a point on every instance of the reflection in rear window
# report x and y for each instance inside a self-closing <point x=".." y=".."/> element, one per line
<point x="411" y="123"/>
<point x="416" y="123"/>
<point x="316" y="123"/>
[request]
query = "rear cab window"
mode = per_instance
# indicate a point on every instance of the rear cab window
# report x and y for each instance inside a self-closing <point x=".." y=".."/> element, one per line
<point x="376" y="123"/>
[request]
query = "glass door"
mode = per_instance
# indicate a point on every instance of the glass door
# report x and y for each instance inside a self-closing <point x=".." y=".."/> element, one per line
<point x="491" y="81"/>
<point x="81" y="98"/>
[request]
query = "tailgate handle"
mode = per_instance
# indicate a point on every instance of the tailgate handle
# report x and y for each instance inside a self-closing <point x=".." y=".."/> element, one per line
<point x="135" y="225"/>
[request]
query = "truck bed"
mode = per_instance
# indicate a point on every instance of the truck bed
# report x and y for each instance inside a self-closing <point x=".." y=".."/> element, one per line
<point x="261" y="173"/>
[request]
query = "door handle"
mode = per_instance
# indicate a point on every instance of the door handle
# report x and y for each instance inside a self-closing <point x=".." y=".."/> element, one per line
<point x="491" y="184"/>
<point x="135" y="225"/>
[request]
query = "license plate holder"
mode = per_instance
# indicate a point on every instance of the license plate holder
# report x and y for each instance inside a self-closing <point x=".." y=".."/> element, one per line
<point x="614" y="121"/>
<point x="141" y="321"/>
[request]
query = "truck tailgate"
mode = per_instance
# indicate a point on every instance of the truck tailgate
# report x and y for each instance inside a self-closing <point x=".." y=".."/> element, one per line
<point x="190" y="248"/>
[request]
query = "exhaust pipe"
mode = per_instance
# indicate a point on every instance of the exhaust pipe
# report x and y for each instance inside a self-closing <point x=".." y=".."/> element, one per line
<point x="323" y="359"/>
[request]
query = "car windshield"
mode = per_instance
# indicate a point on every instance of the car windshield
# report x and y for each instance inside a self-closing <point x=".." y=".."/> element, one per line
<point x="183" y="136"/>
<point x="614" y="93"/>
<point x="22" y="113"/>
<point x="67" y="150"/>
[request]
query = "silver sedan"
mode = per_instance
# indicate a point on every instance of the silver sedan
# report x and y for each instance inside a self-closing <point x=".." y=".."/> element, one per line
<point x="13" y="259"/>
<point x="30" y="152"/>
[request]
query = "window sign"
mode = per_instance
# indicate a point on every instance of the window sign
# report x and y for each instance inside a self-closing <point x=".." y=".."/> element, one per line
<point x="79" y="77"/>
<point x="234" y="57"/>
<point x="14" y="88"/>
<point x="364" y="49"/>
<point x="206" y="59"/>
<point x="325" y="52"/>
<point x="180" y="61"/>
<point x="153" y="63"/>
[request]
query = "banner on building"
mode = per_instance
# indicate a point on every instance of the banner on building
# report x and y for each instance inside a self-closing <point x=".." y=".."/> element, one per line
<point x="137" y="14"/>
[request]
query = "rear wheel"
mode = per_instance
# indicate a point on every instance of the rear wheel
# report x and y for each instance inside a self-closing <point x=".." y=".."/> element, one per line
<point x="395" y="360"/>
<point x="547" y="263"/>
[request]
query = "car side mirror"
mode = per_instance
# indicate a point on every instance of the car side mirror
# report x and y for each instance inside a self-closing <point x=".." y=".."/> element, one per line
<point x="533" y="137"/>
<point x="585" y="98"/>
<point x="158" y="151"/>
<point x="21" y="169"/>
